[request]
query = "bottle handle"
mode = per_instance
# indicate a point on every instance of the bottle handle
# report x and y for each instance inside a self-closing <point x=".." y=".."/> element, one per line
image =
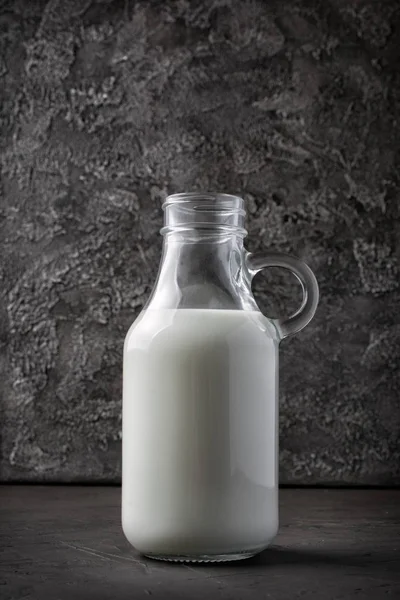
<point x="307" y="279"/>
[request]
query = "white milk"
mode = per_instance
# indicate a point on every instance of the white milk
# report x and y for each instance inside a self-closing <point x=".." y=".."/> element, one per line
<point x="200" y="432"/>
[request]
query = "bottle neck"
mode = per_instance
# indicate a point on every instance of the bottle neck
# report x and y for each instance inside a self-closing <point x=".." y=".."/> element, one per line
<point x="202" y="270"/>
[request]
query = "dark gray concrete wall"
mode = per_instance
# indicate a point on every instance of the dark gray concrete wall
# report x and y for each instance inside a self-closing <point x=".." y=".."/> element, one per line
<point x="108" y="106"/>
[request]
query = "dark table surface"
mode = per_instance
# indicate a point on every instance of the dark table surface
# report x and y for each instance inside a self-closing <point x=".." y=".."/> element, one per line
<point x="60" y="542"/>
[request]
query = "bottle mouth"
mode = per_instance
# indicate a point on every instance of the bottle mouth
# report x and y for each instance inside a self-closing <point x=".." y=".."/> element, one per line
<point x="204" y="211"/>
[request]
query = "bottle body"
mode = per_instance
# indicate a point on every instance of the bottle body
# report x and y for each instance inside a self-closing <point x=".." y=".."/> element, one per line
<point x="200" y="434"/>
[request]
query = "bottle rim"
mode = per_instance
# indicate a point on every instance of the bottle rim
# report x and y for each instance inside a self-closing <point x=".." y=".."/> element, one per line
<point x="204" y="212"/>
<point x="221" y="200"/>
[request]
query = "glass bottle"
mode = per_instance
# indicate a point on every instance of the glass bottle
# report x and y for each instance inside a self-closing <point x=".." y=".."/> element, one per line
<point x="200" y="391"/>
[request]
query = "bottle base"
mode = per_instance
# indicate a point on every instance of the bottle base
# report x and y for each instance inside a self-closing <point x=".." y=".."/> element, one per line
<point x="202" y="558"/>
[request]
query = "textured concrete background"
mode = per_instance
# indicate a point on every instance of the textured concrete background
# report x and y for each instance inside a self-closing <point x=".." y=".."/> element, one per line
<point x="107" y="106"/>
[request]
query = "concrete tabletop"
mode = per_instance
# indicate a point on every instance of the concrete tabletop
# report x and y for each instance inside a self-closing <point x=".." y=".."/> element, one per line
<point x="65" y="542"/>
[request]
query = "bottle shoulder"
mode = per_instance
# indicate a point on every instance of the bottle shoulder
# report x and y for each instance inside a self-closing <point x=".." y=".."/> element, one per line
<point x="200" y="326"/>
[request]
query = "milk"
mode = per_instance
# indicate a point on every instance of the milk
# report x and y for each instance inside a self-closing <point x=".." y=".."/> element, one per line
<point x="200" y="433"/>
